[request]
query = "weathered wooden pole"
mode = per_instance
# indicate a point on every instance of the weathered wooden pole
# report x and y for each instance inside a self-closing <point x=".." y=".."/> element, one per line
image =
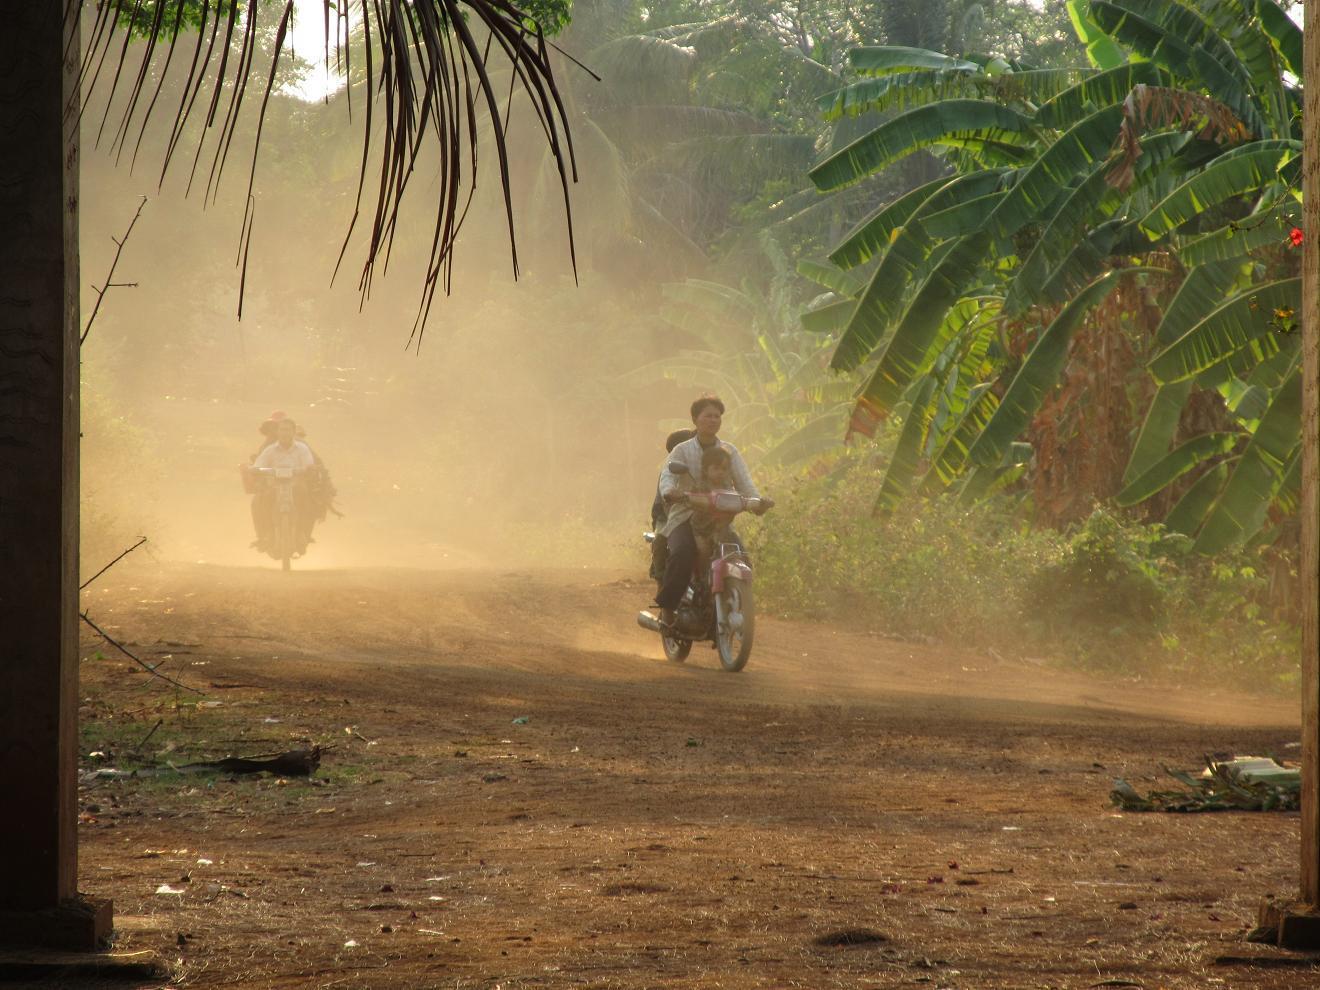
<point x="1310" y="568"/>
<point x="39" y="901"/>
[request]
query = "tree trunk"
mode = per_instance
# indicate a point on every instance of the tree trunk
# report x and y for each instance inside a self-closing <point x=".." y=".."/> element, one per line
<point x="1310" y="566"/>
<point x="39" y="469"/>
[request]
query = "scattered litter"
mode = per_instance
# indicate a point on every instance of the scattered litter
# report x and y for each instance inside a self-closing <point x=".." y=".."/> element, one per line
<point x="522" y="720"/>
<point x="272" y="720"/>
<point x="1246" y="783"/>
<point x="350" y="944"/>
<point x="694" y="742"/>
<point x="1010" y="828"/>
<point x="435" y="879"/>
<point x="204" y="862"/>
<point x="167" y="889"/>
<point x="366" y="863"/>
<point x="429" y="931"/>
<point x="434" y="897"/>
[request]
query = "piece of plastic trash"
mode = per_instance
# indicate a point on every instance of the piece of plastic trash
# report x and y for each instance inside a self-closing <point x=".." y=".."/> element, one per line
<point x="167" y="889"/>
<point x="522" y="720"/>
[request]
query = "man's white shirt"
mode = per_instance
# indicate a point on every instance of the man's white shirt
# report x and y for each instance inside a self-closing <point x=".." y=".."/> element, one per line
<point x="297" y="456"/>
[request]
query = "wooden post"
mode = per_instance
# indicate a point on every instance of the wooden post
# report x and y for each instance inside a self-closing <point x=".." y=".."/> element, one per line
<point x="1310" y="508"/>
<point x="39" y="481"/>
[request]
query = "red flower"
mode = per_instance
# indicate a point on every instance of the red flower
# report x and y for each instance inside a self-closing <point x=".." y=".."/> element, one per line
<point x="1296" y="236"/>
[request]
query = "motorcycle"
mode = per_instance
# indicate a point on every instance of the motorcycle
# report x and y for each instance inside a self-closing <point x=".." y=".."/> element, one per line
<point x="718" y="606"/>
<point x="285" y="539"/>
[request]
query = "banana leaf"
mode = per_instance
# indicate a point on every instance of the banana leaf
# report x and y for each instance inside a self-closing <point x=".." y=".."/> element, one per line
<point x="1077" y="150"/>
<point x="950" y="458"/>
<point x="1190" y="511"/>
<point x="912" y="254"/>
<point x="1185" y="59"/>
<point x="901" y="91"/>
<point x="1188" y="23"/>
<point x="1089" y="258"/>
<point x="1107" y="88"/>
<point x="828" y="318"/>
<point x="1039" y="373"/>
<point x="1101" y="49"/>
<point x="1054" y="258"/>
<point x="1201" y="293"/>
<point x="1234" y="21"/>
<point x="897" y="484"/>
<point x="830" y="276"/>
<point x="1238" y="172"/>
<point x="1284" y="32"/>
<point x="874" y="234"/>
<point x="1241" y="507"/>
<point x="919" y="128"/>
<point x="1262" y="229"/>
<point x="1246" y="322"/>
<point x="815" y="437"/>
<point x="876" y="60"/>
<point x="1158" y="428"/>
<point x="965" y="218"/>
<point x="908" y="351"/>
<point x="1175" y="464"/>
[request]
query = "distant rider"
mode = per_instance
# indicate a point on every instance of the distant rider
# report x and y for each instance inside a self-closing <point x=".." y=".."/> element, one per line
<point x="286" y="452"/>
<point x="707" y="417"/>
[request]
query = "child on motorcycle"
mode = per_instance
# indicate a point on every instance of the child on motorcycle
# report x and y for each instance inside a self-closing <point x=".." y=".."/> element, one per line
<point x="660" y="511"/>
<point x="709" y="527"/>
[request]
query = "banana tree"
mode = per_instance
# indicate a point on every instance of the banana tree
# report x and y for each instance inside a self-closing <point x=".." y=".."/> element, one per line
<point x="1169" y="164"/>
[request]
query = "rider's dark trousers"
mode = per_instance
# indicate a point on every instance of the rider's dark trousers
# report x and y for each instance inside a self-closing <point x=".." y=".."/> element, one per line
<point x="678" y="571"/>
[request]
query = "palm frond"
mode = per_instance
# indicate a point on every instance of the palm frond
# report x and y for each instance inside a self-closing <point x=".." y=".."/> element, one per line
<point x="426" y="69"/>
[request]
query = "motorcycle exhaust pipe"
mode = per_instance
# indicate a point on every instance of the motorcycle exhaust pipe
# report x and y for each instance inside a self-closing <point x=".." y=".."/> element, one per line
<point x="648" y="621"/>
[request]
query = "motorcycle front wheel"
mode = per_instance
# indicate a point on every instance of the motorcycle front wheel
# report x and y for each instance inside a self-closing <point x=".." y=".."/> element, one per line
<point x="676" y="650"/>
<point x="733" y="633"/>
<point x="284" y="539"/>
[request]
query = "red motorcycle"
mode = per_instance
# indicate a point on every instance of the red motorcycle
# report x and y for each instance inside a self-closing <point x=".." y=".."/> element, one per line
<point x="718" y="606"/>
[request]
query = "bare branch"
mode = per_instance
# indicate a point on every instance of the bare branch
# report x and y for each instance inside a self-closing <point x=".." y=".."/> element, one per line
<point x="109" y="276"/>
<point x="83" y="586"/>
<point x="136" y="659"/>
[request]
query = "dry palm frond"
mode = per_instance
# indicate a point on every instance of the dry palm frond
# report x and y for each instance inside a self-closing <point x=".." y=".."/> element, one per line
<point x="1150" y="108"/>
<point x="425" y="68"/>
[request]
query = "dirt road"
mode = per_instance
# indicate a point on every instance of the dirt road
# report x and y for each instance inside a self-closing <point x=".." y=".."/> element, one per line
<point x="523" y="793"/>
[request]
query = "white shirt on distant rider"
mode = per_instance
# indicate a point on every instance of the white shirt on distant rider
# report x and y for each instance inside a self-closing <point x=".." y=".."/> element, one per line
<point x="297" y="456"/>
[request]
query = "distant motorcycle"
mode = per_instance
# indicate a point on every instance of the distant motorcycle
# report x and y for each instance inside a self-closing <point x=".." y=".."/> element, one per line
<point x="286" y="538"/>
<point x="718" y="606"/>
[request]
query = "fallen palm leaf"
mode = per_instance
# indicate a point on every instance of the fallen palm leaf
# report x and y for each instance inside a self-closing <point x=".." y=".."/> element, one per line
<point x="1248" y="783"/>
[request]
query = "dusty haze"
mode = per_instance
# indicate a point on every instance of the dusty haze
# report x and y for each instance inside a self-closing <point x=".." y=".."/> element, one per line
<point x="510" y="431"/>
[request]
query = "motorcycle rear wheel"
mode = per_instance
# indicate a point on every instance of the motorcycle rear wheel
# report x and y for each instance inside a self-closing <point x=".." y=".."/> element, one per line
<point x="676" y="650"/>
<point x="735" y="645"/>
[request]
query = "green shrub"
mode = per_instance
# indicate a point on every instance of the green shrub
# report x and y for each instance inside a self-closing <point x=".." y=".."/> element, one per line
<point x="1113" y="594"/>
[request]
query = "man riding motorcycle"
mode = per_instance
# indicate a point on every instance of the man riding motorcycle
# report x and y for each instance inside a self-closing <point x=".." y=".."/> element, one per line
<point x="286" y="453"/>
<point x="707" y="416"/>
